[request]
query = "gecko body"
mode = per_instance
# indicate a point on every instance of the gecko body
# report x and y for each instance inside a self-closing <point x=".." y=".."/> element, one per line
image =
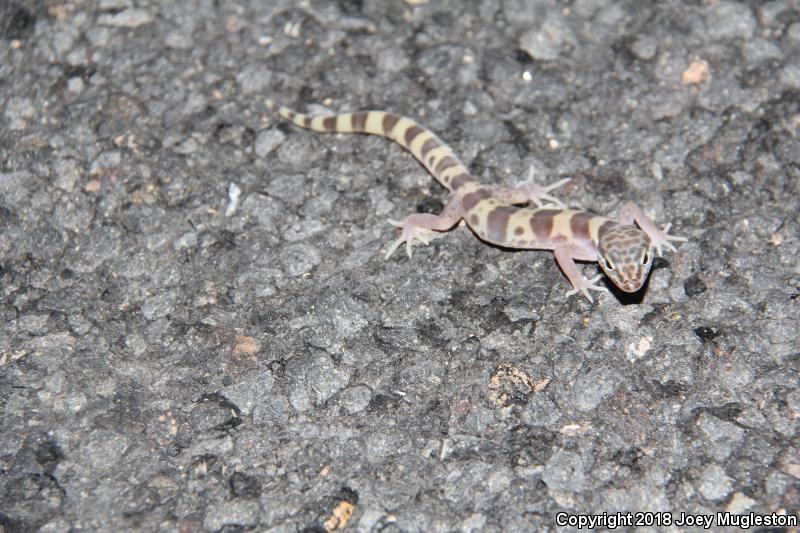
<point x="624" y="251"/>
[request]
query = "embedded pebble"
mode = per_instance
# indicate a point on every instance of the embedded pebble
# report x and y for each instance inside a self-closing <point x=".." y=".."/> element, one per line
<point x="195" y="103"/>
<point x="300" y="258"/>
<point x="392" y="59"/>
<point x="267" y="141"/>
<point x="233" y="199"/>
<point x="68" y="172"/>
<point x="128" y="18"/>
<point x="564" y="472"/>
<point x="187" y="240"/>
<point x="790" y="76"/>
<point x="722" y="436"/>
<point x="729" y="20"/>
<point x="179" y="40"/>
<point x="102" y="448"/>
<point x="540" y="45"/>
<point x="113" y="5"/>
<point x="793" y="33"/>
<point x="739" y="503"/>
<point x="519" y="13"/>
<point x="355" y="399"/>
<point x="644" y="47"/>
<point x="62" y="42"/>
<point x="18" y="112"/>
<point x="761" y="50"/>
<point x="326" y="378"/>
<point x="592" y="388"/>
<point x="75" y="85"/>
<point x="236" y="513"/>
<point x="714" y="483"/>
<point x="254" y="79"/>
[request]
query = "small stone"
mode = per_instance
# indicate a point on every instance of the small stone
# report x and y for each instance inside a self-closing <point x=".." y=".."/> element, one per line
<point x="564" y="472"/>
<point x="469" y="109"/>
<point x="729" y="20"/>
<point x="300" y="258"/>
<point x="18" y="112"/>
<point x="247" y="393"/>
<point x="178" y="40"/>
<point x="519" y="13"/>
<point x="234" y="192"/>
<point x="187" y="240"/>
<point x="75" y="85"/>
<point x="195" y="103"/>
<point x="128" y="18"/>
<point x="188" y="146"/>
<point x="769" y="13"/>
<point x="592" y="388"/>
<point x="739" y="503"/>
<point x="242" y="513"/>
<point x="790" y="76"/>
<point x="540" y="45"/>
<point x="721" y="436"/>
<point x="355" y="399"/>
<point x="267" y="141"/>
<point x="159" y="306"/>
<point x="474" y="522"/>
<point x="102" y="449"/>
<point x="68" y="173"/>
<point x="264" y="209"/>
<point x="113" y="5"/>
<point x="98" y="37"/>
<point x="761" y="50"/>
<point x="697" y="72"/>
<point x="392" y="59"/>
<point x="644" y="47"/>
<point x="326" y="379"/>
<point x="254" y="79"/>
<point x="62" y="42"/>
<point x="793" y="33"/>
<point x="714" y="483"/>
<point x="244" y="486"/>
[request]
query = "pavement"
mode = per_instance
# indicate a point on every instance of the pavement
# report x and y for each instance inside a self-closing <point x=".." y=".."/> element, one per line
<point x="199" y="331"/>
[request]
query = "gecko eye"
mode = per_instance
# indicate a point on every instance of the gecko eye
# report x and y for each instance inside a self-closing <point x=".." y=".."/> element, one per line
<point x="646" y="258"/>
<point x="607" y="264"/>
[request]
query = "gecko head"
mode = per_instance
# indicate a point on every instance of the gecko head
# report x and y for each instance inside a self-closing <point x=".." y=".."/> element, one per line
<point x="625" y="254"/>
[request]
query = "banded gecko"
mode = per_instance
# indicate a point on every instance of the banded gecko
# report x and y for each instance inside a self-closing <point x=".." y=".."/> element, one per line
<point x="624" y="251"/>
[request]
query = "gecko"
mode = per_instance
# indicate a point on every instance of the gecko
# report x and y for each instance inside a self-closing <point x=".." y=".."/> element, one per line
<point x="623" y="248"/>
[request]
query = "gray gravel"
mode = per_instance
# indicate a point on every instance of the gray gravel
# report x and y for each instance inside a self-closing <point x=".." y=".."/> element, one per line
<point x="199" y="331"/>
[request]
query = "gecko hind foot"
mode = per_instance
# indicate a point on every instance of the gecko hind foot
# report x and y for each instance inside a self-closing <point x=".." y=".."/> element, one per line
<point x="539" y="194"/>
<point x="410" y="233"/>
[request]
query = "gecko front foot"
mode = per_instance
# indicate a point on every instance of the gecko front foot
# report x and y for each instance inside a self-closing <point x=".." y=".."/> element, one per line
<point x="584" y="285"/>
<point x="662" y="238"/>
<point x="411" y="231"/>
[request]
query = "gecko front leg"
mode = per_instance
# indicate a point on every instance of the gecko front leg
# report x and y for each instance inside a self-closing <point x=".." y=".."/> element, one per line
<point x="579" y="282"/>
<point x="660" y="238"/>
<point x="423" y="227"/>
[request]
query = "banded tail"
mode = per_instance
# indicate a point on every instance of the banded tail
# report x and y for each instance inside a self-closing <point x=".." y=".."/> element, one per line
<point x="438" y="158"/>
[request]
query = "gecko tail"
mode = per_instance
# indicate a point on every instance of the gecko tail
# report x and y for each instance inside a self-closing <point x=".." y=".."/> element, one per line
<point x="438" y="158"/>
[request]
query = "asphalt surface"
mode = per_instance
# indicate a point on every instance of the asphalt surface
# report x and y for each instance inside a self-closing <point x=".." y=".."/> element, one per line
<point x="199" y="331"/>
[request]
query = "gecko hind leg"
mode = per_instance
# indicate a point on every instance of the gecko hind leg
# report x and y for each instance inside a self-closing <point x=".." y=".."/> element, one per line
<point x="530" y="191"/>
<point x="423" y="227"/>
